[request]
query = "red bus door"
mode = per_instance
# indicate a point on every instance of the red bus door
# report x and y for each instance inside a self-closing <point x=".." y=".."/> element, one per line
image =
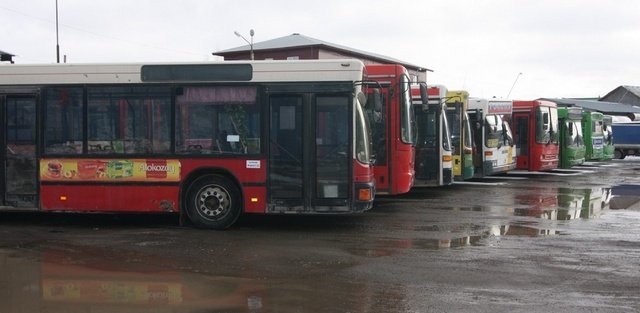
<point x="521" y="126"/>
<point x="18" y="177"/>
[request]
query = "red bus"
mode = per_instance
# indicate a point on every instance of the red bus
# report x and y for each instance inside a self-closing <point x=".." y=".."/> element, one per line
<point x="535" y="128"/>
<point x="392" y="123"/>
<point x="210" y="140"/>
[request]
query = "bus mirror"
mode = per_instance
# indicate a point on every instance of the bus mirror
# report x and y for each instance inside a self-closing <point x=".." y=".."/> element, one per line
<point x="376" y="98"/>
<point x="362" y="99"/>
<point x="423" y="94"/>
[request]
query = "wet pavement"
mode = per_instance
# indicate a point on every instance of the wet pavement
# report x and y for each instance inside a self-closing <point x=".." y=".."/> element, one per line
<point x="567" y="241"/>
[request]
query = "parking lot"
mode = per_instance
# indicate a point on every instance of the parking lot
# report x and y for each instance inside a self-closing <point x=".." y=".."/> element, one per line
<point x="565" y="241"/>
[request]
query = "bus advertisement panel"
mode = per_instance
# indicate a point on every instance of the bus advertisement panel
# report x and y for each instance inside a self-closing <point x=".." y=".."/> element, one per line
<point x="461" y="139"/>
<point x="433" y="147"/>
<point x="493" y="141"/>
<point x="210" y="141"/>
<point x="593" y="135"/>
<point x="392" y="123"/>
<point x="572" y="148"/>
<point x="535" y="128"/>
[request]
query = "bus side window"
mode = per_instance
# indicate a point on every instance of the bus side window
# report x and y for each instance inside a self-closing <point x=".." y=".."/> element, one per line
<point x="128" y="120"/>
<point x="218" y="120"/>
<point x="64" y="129"/>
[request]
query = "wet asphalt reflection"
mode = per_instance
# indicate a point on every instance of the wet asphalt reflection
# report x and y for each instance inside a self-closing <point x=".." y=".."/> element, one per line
<point x="503" y="243"/>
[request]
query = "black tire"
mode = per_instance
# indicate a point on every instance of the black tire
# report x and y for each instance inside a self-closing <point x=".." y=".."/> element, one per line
<point x="618" y="154"/>
<point x="214" y="202"/>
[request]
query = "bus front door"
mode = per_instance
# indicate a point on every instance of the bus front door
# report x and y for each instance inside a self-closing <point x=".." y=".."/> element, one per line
<point x="309" y="153"/>
<point x="18" y="179"/>
<point x="286" y="159"/>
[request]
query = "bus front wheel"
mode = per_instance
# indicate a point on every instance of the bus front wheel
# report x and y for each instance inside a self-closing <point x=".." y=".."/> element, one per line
<point x="214" y="202"/>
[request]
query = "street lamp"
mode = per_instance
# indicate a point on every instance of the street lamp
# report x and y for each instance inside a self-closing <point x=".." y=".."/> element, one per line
<point x="514" y="84"/>
<point x="57" y="40"/>
<point x="251" y="32"/>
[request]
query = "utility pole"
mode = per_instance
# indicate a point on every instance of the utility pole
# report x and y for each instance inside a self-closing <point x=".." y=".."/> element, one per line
<point x="57" y="39"/>
<point x="514" y="84"/>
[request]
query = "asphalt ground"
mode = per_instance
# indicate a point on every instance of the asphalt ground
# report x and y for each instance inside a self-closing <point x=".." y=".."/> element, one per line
<point x="564" y="241"/>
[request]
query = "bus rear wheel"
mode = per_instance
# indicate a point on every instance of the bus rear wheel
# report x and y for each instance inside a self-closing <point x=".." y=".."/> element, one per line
<point x="212" y="201"/>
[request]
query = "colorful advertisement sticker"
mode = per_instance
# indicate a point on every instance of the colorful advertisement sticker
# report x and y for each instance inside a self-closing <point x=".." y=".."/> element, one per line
<point x="136" y="170"/>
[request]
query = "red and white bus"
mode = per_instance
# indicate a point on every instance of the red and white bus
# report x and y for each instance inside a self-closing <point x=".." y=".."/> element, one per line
<point x="535" y="127"/>
<point x="210" y="140"/>
<point x="393" y="127"/>
<point x="494" y="148"/>
<point x="434" y="161"/>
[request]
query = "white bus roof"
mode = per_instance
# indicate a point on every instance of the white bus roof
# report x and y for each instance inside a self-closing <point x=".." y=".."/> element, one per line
<point x="125" y="73"/>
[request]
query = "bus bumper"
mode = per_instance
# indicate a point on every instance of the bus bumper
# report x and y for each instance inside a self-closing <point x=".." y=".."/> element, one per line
<point x="363" y="196"/>
<point x="488" y="169"/>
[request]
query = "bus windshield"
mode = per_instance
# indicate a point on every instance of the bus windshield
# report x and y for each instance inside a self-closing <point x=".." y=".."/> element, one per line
<point x="608" y="138"/>
<point x="362" y="135"/>
<point x="573" y="136"/>
<point x="446" y="140"/>
<point x="493" y="131"/>
<point x="507" y="136"/>
<point x="547" y="125"/>
<point x="596" y="127"/>
<point x="407" y="121"/>
<point x="455" y="125"/>
<point x="467" y="132"/>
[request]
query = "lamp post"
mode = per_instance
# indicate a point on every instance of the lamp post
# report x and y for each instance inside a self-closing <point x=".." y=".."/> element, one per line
<point x="57" y="40"/>
<point x="251" y="33"/>
<point x="514" y="84"/>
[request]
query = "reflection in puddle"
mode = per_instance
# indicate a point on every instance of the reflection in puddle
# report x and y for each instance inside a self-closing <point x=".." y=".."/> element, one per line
<point x="625" y="197"/>
<point x="542" y="209"/>
<point x="85" y="279"/>
<point x="59" y="281"/>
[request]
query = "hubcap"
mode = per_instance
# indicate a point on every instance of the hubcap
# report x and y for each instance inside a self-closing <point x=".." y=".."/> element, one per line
<point x="213" y="202"/>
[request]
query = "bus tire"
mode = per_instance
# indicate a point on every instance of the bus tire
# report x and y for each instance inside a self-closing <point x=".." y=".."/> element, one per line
<point x="618" y="154"/>
<point x="214" y="202"/>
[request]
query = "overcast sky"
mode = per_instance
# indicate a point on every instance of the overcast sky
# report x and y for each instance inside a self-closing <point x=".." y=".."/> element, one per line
<point x="562" y="48"/>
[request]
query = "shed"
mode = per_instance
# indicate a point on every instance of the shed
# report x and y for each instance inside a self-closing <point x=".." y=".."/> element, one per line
<point x="624" y="94"/>
<point x="605" y="107"/>
<point x="301" y="47"/>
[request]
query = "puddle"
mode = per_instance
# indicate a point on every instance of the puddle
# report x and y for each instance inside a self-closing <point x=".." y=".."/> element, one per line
<point x="551" y="204"/>
<point x="60" y="281"/>
<point x="625" y="197"/>
<point x="72" y="279"/>
<point x="532" y="213"/>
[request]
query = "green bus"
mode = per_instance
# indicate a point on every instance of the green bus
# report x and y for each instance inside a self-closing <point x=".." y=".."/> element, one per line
<point x="572" y="147"/>
<point x="608" y="149"/>
<point x="593" y="135"/>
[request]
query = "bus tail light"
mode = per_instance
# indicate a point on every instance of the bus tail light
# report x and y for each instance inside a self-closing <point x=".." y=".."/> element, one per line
<point x="488" y="153"/>
<point x="63" y="198"/>
<point x="447" y="158"/>
<point x="364" y="194"/>
<point x="254" y="199"/>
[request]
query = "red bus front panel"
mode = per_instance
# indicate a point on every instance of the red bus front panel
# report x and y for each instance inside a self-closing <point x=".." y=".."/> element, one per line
<point x="536" y="137"/>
